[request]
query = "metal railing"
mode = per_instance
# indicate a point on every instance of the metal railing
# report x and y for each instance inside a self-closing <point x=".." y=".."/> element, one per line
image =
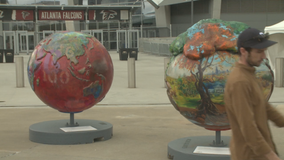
<point x="156" y="46"/>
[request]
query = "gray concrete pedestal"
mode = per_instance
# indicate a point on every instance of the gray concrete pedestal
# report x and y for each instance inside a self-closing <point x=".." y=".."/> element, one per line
<point x="50" y="132"/>
<point x="182" y="149"/>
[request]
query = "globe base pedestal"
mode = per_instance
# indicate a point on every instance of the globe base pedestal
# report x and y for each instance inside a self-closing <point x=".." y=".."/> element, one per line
<point x="50" y="132"/>
<point x="183" y="148"/>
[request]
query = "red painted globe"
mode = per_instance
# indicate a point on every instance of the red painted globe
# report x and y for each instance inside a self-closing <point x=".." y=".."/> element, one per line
<point x="70" y="71"/>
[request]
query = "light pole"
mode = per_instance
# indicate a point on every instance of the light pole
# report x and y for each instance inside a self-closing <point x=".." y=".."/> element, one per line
<point x="141" y="26"/>
<point x="191" y="12"/>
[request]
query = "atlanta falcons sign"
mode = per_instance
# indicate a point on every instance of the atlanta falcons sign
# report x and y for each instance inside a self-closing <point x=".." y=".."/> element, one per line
<point x="108" y="14"/>
<point x="104" y="15"/>
<point x="23" y="15"/>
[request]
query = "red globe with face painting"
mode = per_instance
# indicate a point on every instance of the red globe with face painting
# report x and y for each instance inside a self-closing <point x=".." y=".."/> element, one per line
<point x="70" y="71"/>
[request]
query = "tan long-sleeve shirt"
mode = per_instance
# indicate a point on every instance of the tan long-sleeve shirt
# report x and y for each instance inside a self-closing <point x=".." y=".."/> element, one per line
<point x="248" y="113"/>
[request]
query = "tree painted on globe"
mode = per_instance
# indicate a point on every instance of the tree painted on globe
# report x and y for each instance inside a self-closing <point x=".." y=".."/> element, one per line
<point x="203" y="42"/>
<point x="197" y="72"/>
<point x="205" y="47"/>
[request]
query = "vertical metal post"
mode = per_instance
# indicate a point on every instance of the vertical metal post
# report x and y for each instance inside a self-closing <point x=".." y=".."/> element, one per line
<point x="27" y="42"/>
<point x="17" y="43"/>
<point x="130" y="19"/>
<point x="4" y="40"/>
<point x="191" y="12"/>
<point x="129" y="38"/>
<point x="171" y="31"/>
<point x="166" y="62"/>
<point x="142" y="1"/>
<point x="108" y="34"/>
<point x="131" y="73"/>
<point x="1" y="34"/>
<point x="72" y="119"/>
<point x="36" y="34"/>
<point x="55" y="28"/>
<point x="87" y="21"/>
<point x="138" y="39"/>
<point x="141" y="30"/>
<point x="20" y="81"/>
<point x="117" y="41"/>
<point x="218" y="137"/>
<point x="126" y="39"/>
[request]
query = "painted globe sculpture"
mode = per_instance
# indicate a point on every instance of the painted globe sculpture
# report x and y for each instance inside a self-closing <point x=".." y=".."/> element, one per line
<point x="70" y="71"/>
<point x="203" y="57"/>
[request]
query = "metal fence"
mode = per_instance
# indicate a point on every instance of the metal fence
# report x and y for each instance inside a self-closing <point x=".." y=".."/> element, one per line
<point x="156" y="46"/>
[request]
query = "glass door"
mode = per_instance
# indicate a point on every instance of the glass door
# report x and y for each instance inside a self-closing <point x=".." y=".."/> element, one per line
<point x="31" y="41"/>
<point x="98" y="34"/>
<point x="121" y="42"/>
<point x="133" y="38"/>
<point x="9" y="40"/>
<point x="22" y="42"/>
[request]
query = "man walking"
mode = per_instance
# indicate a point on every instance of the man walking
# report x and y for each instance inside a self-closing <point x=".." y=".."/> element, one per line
<point x="247" y="109"/>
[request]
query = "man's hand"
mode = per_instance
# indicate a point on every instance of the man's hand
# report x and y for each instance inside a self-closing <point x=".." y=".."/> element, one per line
<point x="272" y="156"/>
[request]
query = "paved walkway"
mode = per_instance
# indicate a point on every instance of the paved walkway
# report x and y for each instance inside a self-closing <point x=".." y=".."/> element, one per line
<point x="144" y="120"/>
<point x="149" y="89"/>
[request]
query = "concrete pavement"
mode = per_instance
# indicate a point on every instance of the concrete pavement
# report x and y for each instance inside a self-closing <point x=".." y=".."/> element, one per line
<point x="149" y="84"/>
<point x="144" y="121"/>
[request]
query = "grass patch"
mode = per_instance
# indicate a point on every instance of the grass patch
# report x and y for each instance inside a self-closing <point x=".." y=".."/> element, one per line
<point x="188" y="102"/>
<point x="218" y="100"/>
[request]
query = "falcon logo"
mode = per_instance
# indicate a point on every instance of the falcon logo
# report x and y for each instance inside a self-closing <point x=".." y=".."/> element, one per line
<point x="109" y="14"/>
<point x="25" y="14"/>
<point x="1" y="14"/>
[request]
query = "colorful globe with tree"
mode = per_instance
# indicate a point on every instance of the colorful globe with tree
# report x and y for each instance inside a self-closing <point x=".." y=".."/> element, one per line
<point x="70" y="71"/>
<point x="203" y="57"/>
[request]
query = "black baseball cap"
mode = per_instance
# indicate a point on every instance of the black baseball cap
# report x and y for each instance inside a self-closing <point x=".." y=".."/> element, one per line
<point x="254" y="38"/>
